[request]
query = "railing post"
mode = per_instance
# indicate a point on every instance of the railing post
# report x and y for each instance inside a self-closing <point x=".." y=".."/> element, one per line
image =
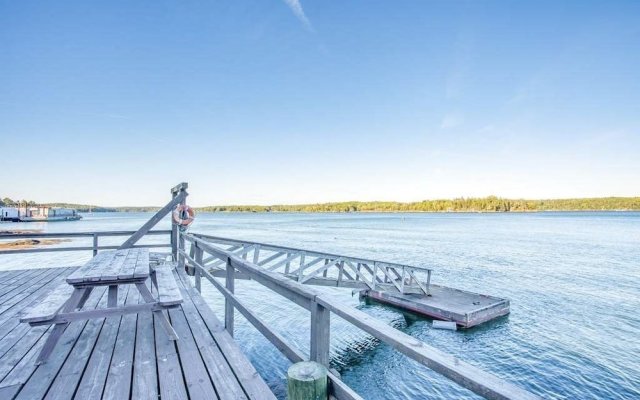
<point x="375" y="275"/>
<point x="181" y="258"/>
<point x="95" y="244"/>
<point x="180" y="231"/>
<point x="228" y="305"/>
<point x="174" y="234"/>
<point x="198" y="259"/>
<point x="174" y="242"/>
<point x="320" y="334"/>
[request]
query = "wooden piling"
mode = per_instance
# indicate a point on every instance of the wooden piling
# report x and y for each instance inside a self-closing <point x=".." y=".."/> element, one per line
<point x="307" y="380"/>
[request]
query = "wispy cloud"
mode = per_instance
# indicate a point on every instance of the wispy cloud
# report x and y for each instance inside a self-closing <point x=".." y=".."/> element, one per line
<point x="296" y="7"/>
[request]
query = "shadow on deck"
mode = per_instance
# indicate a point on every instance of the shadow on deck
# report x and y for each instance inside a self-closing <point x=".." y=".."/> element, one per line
<point x="120" y="357"/>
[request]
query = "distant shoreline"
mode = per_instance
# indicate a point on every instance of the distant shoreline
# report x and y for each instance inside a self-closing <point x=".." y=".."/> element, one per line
<point x="377" y="212"/>
<point x="491" y="204"/>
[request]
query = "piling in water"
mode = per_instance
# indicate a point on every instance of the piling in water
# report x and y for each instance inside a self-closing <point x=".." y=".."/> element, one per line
<point x="307" y="380"/>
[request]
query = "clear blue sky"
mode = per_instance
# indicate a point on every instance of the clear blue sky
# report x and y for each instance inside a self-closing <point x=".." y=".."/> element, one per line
<point x="272" y="101"/>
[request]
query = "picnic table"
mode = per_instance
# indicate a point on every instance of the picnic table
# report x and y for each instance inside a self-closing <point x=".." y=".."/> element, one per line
<point x="113" y="269"/>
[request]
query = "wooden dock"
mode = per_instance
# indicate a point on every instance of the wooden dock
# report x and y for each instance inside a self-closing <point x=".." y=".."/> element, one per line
<point x="403" y="286"/>
<point x="131" y="356"/>
<point x="466" y="309"/>
<point x="119" y="357"/>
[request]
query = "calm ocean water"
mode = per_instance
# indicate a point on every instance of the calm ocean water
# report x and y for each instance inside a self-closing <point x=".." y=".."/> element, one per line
<point x="573" y="280"/>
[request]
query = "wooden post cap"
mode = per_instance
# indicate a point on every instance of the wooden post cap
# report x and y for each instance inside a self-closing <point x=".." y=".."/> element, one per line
<point x="307" y="380"/>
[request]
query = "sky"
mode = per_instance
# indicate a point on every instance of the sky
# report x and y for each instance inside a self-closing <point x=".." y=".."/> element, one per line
<point x="286" y="101"/>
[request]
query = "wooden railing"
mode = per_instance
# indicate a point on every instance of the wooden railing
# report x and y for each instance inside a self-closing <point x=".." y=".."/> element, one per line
<point x="95" y="236"/>
<point x="321" y="306"/>
<point x="323" y="269"/>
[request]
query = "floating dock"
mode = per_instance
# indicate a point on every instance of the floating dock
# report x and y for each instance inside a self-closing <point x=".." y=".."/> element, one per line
<point x="466" y="309"/>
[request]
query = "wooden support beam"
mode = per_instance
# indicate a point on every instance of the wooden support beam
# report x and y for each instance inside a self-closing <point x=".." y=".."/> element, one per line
<point x="321" y="269"/>
<point x="304" y="266"/>
<point x="174" y="235"/>
<point x="359" y="275"/>
<point x="95" y="244"/>
<point x="198" y="262"/>
<point x="282" y="262"/>
<point x="212" y="258"/>
<point x="153" y="221"/>
<point x="256" y="254"/>
<point x="271" y="258"/>
<point x="228" y="305"/>
<point x="389" y="278"/>
<point x="183" y="202"/>
<point x="180" y="187"/>
<point x="424" y="289"/>
<point x="320" y="334"/>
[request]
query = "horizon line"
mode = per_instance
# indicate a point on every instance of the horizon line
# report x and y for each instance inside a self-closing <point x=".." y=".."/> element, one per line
<point x="345" y="201"/>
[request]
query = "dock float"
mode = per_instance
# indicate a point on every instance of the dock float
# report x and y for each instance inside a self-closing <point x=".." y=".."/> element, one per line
<point x="466" y="309"/>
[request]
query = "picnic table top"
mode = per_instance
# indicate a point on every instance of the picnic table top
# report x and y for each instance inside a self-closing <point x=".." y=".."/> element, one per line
<point x="111" y="266"/>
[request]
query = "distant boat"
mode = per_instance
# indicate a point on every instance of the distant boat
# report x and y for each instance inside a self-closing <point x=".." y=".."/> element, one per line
<point x="48" y="214"/>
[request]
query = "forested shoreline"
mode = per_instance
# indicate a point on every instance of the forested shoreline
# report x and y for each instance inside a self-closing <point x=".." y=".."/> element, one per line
<point x="483" y="204"/>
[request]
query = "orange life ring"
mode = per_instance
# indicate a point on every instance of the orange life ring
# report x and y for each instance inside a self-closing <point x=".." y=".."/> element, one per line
<point x="183" y="215"/>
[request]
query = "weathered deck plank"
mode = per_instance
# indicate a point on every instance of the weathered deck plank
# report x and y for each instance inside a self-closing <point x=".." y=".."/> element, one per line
<point x="118" y="385"/>
<point x="65" y="383"/>
<point x="252" y="383"/>
<point x="145" y="377"/>
<point x="39" y="382"/>
<point x="222" y="376"/>
<point x="94" y="377"/>
<point x="121" y="357"/>
<point x="13" y="359"/>
<point x="172" y="384"/>
<point x="11" y="298"/>
<point x="16" y="281"/>
<point x="7" y="321"/>
<point x="7" y="275"/>
<point x="199" y="385"/>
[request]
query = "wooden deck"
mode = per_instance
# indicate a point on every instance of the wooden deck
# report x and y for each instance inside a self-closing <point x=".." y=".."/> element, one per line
<point x="120" y="357"/>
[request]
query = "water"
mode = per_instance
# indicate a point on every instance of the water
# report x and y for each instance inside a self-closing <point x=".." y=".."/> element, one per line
<point x="572" y="278"/>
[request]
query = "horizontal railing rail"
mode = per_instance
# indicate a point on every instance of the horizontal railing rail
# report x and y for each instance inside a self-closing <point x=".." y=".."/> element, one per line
<point x="324" y="269"/>
<point x="273" y="247"/>
<point x="321" y="306"/>
<point x="95" y="247"/>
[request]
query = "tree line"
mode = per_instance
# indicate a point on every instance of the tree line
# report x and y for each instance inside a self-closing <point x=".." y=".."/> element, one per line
<point x="483" y="204"/>
<point x="470" y="204"/>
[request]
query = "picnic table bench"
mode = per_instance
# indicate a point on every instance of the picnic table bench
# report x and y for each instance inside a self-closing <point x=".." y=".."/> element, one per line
<point x="113" y="269"/>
